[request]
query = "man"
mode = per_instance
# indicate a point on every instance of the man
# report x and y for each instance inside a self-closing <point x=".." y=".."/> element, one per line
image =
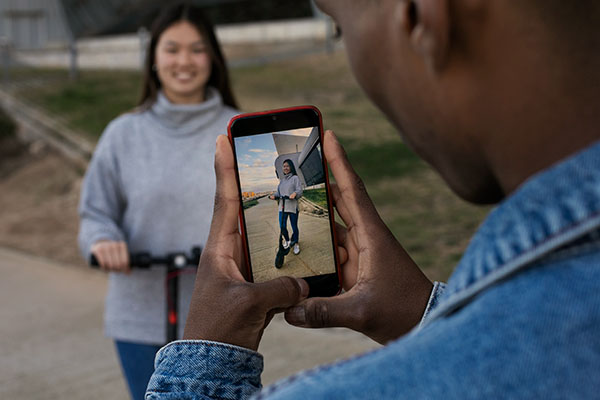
<point x="502" y="99"/>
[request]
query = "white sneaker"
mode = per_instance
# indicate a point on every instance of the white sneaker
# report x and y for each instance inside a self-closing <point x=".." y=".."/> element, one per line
<point x="296" y="249"/>
<point x="286" y="243"/>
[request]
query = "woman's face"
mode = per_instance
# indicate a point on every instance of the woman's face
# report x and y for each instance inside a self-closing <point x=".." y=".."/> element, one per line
<point x="286" y="168"/>
<point x="183" y="64"/>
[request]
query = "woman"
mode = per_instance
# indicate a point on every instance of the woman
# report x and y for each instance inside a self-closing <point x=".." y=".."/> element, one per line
<point x="289" y="186"/>
<point x="150" y="184"/>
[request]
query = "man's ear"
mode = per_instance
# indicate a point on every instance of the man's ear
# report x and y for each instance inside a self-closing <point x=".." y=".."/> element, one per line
<point x="428" y="24"/>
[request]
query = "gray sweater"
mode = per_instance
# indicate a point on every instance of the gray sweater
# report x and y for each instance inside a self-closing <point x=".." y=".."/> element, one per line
<point x="289" y="184"/>
<point x="151" y="183"/>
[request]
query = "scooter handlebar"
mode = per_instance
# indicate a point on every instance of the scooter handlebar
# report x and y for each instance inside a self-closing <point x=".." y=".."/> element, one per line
<point x="137" y="260"/>
<point x="145" y="260"/>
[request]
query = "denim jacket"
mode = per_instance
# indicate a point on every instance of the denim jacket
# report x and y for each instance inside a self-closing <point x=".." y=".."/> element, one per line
<point x="518" y="319"/>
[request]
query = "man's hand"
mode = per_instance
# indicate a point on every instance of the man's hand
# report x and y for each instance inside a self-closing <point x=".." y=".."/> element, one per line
<point x="112" y="255"/>
<point x="293" y="196"/>
<point x="224" y="307"/>
<point x="386" y="293"/>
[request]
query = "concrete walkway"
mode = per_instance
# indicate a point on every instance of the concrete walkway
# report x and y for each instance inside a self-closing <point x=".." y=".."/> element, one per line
<point x="316" y="253"/>
<point x="51" y="342"/>
<point x="52" y="347"/>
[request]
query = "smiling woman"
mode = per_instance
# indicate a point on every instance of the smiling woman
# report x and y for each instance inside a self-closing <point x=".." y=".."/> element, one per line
<point x="150" y="185"/>
<point x="184" y="58"/>
<point x="182" y="63"/>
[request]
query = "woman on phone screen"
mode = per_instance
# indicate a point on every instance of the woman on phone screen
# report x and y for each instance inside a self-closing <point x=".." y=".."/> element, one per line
<point x="150" y="185"/>
<point x="290" y="186"/>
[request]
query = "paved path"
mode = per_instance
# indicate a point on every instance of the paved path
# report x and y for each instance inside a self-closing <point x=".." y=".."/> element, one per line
<point x="52" y="347"/>
<point x="51" y="342"/>
<point x="316" y="253"/>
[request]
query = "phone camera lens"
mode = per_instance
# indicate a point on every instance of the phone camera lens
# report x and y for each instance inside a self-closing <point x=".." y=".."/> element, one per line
<point x="274" y="117"/>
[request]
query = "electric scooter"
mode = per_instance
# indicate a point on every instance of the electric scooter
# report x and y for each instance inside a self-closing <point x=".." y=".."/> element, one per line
<point x="175" y="263"/>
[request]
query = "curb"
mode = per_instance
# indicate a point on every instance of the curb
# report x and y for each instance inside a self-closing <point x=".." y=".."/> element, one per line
<point x="320" y="211"/>
<point x="41" y="126"/>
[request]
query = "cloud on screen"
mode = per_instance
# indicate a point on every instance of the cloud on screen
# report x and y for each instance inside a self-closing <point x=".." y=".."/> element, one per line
<point x="257" y="173"/>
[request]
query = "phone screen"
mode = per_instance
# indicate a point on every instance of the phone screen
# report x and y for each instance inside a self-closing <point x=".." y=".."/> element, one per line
<point x="285" y="201"/>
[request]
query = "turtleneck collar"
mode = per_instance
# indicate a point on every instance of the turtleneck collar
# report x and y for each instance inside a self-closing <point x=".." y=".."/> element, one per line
<point x="186" y="119"/>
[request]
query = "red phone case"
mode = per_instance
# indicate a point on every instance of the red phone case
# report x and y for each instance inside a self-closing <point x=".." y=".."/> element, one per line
<point x="325" y="170"/>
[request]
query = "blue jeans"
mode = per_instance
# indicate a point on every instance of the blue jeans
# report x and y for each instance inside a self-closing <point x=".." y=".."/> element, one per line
<point x="137" y="363"/>
<point x="283" y="216"/>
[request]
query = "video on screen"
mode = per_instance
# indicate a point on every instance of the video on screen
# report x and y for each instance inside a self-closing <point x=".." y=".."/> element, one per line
<point x="285" y="204"/>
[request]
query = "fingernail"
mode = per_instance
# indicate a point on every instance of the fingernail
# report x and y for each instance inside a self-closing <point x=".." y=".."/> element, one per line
<point x="304" y="289"/>
<point x="296" y="316"/>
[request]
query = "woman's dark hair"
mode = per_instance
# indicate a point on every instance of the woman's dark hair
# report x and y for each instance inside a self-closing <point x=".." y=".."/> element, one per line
<point x="291" y="164"/>
<point x="219" y="77"/>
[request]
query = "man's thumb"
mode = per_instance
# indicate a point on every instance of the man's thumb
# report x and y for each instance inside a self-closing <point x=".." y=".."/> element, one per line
<point x="227" y="203"/>
<point x="282" y="292"/>
<point x="321" y="312"/>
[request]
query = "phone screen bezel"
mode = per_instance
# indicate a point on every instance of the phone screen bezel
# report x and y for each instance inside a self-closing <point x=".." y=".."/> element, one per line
<point x="265" y="122"/>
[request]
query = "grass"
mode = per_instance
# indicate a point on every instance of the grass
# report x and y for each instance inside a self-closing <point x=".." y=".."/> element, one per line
<point x="317" y="196"/>
<point x="431" y="222"/>
<point x="380" y="160"/>
<point x="88" y="104"/>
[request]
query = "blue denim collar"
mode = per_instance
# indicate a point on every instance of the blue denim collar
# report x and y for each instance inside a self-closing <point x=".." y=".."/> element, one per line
<point x="549" y="210"/>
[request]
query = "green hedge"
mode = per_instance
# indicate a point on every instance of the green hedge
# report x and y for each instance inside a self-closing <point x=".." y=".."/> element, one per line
<point x="317" y="196"/>
<point x="249" y="203"/>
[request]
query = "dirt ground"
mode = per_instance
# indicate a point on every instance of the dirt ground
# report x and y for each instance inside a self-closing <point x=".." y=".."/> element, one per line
<point x="38" y="201"/>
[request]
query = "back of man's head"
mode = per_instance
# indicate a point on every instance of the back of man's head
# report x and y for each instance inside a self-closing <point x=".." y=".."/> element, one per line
<point x="489" y="92"/>
<point x="570" y="18"/>
<point x="573" y="26"/>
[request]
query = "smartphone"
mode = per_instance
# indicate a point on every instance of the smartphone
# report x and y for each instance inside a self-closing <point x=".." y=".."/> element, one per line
<point x="286" y="213"/>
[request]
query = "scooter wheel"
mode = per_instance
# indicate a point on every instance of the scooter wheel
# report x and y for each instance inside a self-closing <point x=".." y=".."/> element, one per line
<point x="278" y="261"/>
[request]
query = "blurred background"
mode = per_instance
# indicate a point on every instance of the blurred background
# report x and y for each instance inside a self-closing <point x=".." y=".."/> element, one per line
<point x="68" y="67"/>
